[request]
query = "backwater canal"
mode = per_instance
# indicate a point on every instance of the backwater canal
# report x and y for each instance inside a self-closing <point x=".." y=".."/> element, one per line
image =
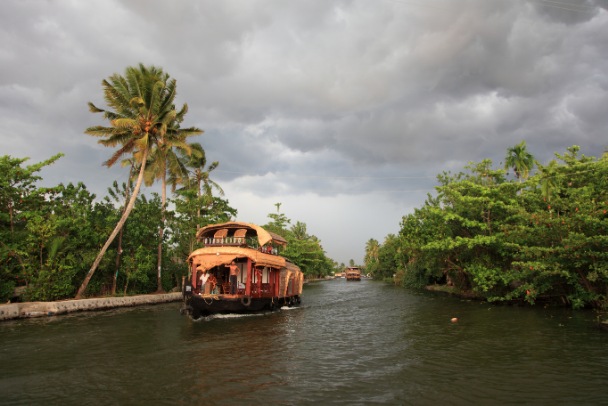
<point x="350" y="343"/>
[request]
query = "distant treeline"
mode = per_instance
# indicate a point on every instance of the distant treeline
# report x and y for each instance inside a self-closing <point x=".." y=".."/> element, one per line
<point x="531" y="238"/>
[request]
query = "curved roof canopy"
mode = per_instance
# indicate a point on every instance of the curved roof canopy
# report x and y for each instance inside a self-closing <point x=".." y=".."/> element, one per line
<point x="264" y="237"/>
<point x="207" y="258"/>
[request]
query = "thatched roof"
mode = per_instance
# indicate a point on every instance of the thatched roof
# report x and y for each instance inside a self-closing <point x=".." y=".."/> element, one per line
<point x="209" y="257"/>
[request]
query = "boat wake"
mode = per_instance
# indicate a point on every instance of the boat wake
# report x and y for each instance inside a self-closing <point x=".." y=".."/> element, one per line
<point x="239" y="316"/>
<point x="228" y="316"/>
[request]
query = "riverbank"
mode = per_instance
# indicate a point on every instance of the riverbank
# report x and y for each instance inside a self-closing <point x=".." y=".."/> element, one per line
<point x="468" y="295"/>
<point x="11" y="311"/>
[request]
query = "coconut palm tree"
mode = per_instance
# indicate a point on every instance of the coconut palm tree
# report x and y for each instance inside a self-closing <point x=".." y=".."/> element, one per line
<point x="520" y="160"/>
<point x="548" y="181"/>
<point x="165" y="161"/>
<point x="372" y="248"/>
<point x="299" y="231"/>
<point x="199" y="177"/>
<point x="141" y="110"/>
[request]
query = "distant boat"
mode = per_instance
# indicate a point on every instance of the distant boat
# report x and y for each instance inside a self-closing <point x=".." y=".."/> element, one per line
<point x="265" y="280"/>
<point x="353" y="273"/>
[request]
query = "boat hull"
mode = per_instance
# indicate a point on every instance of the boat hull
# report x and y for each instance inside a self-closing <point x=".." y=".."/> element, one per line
<point x="205" y="305"/>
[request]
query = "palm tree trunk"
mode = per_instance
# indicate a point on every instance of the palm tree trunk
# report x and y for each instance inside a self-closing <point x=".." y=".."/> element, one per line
<point x="118" y="227"/>
<point x="118" y="255"/>
<point x="159" y="284"/>
<point x="122" y="230"/>
<point x="198" y="207"/>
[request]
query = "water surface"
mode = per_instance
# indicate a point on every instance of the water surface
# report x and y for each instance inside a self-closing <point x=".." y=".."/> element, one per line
<point x="350" y="343"/>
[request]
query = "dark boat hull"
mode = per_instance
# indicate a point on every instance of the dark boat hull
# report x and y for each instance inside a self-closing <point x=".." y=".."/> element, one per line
<point x="205" y="305"/>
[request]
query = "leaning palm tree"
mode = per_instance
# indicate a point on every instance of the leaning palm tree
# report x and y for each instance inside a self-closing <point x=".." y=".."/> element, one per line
<point x="117" y="195"/>
<point x="165" y="161"/>
<point x="142" y="109"/>
<point x="520" y="160"/>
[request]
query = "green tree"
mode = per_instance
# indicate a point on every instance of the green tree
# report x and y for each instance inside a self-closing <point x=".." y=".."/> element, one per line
<point x="186" y="221"/>
<point x="387" y="258"/>
<point x="279" y="220"/>
<point x="549" y="179"/>
<point x="62" y="238"/>
<point x="505" y="241"/>
<point x="520" y="160"/>
<point x="561" y="243"/>
<point x="195" y="204"/>
<point x="20" y="199"/>
<point x="371" y="255"/>
<point x="199" y="178"/>
<point x="299" y="231"/>
<point x="119" y="195"/>
<point x="165" y="161"/>
<point x="143" y="109"/>
<point x="140" y="242"/>
<point x="302" y="249"/>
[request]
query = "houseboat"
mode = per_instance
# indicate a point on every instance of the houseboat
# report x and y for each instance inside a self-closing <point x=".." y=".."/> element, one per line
<point x="239" y="270"/>
<point x="353" y="273"/>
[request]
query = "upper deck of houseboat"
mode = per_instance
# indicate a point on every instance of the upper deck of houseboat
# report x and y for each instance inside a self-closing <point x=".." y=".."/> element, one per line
<point x="243" y="235"/>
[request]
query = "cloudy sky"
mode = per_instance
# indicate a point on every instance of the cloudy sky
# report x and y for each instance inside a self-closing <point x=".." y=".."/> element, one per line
<point x="343" y="111"/>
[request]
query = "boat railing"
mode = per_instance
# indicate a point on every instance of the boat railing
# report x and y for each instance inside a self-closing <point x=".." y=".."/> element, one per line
<point x="249" y="242"/>
<point x="231" y="241"/>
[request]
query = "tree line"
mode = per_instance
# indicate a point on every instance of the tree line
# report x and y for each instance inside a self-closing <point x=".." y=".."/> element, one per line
<point x="61" y="242"/>
<point x="521" y="238"/>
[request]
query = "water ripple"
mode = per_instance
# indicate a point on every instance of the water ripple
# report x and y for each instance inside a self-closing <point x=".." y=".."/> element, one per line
<point x="348" y="344"/>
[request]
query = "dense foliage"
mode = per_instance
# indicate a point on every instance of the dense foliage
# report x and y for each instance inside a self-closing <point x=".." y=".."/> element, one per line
<point x="302" y="249"/>
<point x="537" y="238"/>
<point x="50" y="236"/>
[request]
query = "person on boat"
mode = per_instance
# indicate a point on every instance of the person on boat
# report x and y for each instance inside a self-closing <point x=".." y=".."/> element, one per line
<point x="204" y="278"/>
<point x="212" y="282"/>
<point x="198" y="282"/>
<point x="233" y="273"/>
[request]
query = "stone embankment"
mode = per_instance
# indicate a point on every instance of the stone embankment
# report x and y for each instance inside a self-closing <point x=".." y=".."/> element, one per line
<point x="11" y="311"/>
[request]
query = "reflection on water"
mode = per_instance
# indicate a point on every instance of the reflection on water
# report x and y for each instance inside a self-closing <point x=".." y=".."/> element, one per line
<point x="349" y="343"/>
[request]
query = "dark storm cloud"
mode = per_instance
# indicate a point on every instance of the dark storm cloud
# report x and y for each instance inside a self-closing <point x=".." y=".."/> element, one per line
<point x="343" y="103"/>
<point x="569" y="11"/>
